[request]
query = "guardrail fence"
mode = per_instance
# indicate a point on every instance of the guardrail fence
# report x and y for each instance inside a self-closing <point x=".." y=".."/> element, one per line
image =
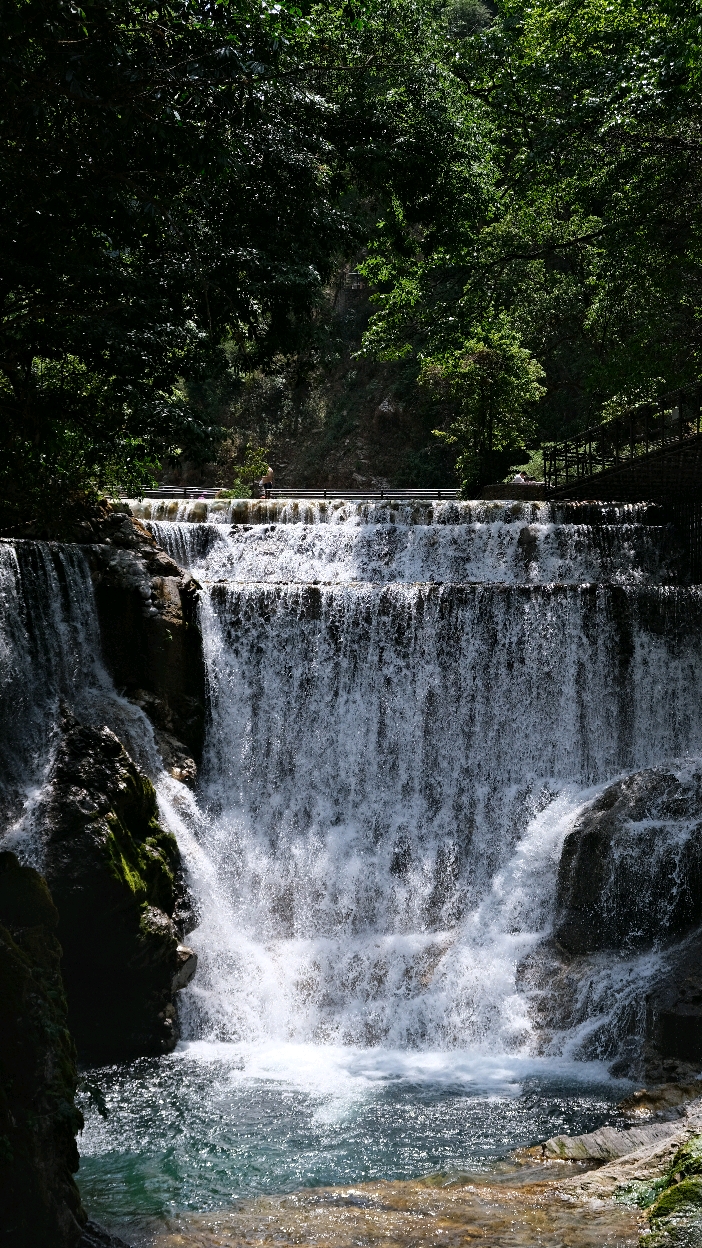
<point x="196" y="491"/>
<point x="644" y="428"/>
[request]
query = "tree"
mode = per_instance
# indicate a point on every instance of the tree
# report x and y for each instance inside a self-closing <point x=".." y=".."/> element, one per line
<point x="165" y="185"/>
<point x="179" y="183"/>
<point x="495" y="383"/>
<point x="583" y="124"/>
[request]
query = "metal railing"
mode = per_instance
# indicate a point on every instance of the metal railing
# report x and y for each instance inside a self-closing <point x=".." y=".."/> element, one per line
<point x="182" y="491"/>
<point x="394" y="492"/>
<point x="196" y="491"/>
<point x="642" y="429"/>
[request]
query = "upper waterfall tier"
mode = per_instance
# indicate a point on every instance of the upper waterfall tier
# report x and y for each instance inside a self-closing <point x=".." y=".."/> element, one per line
<point x="388" y="511"/>
<point x="528" y="547"/>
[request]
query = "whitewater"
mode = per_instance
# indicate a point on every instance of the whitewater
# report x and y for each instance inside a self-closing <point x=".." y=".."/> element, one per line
<point x="409" y="707"/>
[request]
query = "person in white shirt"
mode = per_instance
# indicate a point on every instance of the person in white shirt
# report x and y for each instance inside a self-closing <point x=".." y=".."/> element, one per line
<point x="266" y="483"/>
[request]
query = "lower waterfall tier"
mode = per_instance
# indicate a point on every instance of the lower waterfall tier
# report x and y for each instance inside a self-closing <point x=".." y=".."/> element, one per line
<point x="390" y="776"/>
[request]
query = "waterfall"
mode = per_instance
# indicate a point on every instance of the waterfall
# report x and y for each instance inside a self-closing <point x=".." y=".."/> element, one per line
<point x="409" y="707"/>
<point x="50" y="657"/>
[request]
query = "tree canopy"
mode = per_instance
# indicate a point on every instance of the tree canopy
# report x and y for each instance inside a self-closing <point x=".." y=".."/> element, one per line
<point x="519" y="182"/>
<point x="581" y="131"/>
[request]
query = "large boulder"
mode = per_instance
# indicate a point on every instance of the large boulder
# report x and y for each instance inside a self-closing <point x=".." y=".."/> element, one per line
<point x="630" y="875"/>
<point x="39" y="1201"/>
<point x="629" y="891"/>
<point x="116" y="879"/>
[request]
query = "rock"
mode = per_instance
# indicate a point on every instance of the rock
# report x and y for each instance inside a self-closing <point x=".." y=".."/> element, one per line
<point x="628" y="1175"/>
<point x="39" y="1202"/>
<point x="116" y="878"/>
<point x="640" y="1176"/>
<point x="95" y="1237"/>
<point x="187" y="966"/>
<point x="675" y="1216"/>
<point x="147" y="608"/>
<point x="630" y="874"/>
<point x="667" y="1101"/>
<point x="607" y="1143"/>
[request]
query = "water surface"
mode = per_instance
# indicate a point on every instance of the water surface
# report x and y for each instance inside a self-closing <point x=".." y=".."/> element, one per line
<point x="215" y="1136"/>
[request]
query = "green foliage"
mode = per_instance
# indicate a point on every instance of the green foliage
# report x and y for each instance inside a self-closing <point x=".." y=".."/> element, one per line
<point x="180" y="185"/>
<point x="254" y="467"/>
<point x="576" y="209"/>
<point x="495" y="382"/>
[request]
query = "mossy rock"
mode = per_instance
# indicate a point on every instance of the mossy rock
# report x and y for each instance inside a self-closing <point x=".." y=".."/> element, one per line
<point x="674" y="1234"/>
<point x="115" y="875"/>
<point x="680" y="1198"/>
<point x="687" y="1161"/>
<point x="25" y="900"/>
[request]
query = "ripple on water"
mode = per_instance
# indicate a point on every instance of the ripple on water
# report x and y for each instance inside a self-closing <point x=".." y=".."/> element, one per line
<point x="219" y="1140"/>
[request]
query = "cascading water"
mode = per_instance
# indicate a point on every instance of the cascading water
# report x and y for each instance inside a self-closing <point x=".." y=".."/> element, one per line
<point x="410" y="705"/>
<point x="406" y="717"/>
<point x="50" y="656"/>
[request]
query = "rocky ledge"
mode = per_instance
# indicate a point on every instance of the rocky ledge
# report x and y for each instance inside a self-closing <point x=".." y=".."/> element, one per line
<point x="116" y="878"/>
<point x="655" y="1167"/>
<point x="147" y="609"/>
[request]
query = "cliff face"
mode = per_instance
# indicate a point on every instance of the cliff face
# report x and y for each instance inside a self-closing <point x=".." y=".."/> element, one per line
<point x="39" y="1201"/>
<point x="115" y="876"/>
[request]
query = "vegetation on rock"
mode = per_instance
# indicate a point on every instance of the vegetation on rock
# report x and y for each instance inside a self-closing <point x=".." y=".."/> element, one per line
<point x="114" y="873"/>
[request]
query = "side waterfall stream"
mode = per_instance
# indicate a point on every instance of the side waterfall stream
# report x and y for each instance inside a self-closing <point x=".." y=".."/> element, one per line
<point x="409" y="706"/>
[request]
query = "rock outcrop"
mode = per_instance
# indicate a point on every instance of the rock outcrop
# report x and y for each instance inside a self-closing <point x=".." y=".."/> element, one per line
<point x="662" y="1176"/>
<point x="115" y="876"/>
<point x="630" y="884"/>
<point x="147" y="607"/>
<point x="39" y="1201"/>
<point x="607" y="1143"/>
<point x="630" y="874"/>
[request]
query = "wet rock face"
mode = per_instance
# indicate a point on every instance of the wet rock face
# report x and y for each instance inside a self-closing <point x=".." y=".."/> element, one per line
<point x="115" y="877"/>
<point x="629" y="888"/>
<point x="151" y="641"/>
<point x="39" y="1201"/>
<point x="630" y="875"/>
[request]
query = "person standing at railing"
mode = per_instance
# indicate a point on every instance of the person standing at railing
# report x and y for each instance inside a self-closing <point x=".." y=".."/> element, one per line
<point x="266" y="483"/>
